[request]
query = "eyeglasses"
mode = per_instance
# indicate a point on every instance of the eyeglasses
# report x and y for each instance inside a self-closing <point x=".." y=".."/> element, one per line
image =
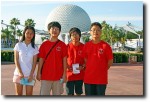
<point x="95" y="30"/>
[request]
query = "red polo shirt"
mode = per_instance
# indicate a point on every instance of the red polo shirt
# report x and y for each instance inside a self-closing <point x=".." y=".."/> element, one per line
<point x="53" y="67"/>
<point x="75" y="56"/>
<point x="97" y="56"/>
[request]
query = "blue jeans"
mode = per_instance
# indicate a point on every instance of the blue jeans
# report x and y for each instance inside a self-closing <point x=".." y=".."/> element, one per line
<point x="95" y="89"/>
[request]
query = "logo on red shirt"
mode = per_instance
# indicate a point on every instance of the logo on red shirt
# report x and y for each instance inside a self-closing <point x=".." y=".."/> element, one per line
<point x="79" y="52"/>
<point x="100" y="51"/>
<point x="58" y="48"/>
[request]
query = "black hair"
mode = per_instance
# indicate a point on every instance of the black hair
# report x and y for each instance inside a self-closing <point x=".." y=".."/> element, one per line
<point x="74" y="29"/>
<point x="54" y="24"/>
<point x="33" y="39"/>
<point x="96" y="24"/>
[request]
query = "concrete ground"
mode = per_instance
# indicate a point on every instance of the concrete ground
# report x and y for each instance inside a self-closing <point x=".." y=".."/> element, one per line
<point x="124" y="80"/>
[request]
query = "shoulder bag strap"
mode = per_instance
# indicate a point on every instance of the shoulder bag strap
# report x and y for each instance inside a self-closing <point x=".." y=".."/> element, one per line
<point x="49" y="53"/>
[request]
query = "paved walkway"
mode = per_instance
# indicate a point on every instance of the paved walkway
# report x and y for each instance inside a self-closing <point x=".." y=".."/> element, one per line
<point x="124" y="79"/>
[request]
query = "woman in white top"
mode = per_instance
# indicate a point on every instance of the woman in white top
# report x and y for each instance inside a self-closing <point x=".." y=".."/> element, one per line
<point x="25" y="58"/>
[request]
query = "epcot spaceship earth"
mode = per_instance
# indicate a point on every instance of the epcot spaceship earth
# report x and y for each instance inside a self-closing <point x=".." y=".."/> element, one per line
<point x="69" y="16"/>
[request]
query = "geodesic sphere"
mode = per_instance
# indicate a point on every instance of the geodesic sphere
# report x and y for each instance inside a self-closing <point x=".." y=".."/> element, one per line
<point x="69" y="16"/>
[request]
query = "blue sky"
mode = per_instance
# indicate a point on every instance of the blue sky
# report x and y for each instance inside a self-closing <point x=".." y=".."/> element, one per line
<point x="113" y="12"/>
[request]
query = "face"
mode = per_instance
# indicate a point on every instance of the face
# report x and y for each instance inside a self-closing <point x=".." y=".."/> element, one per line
<point x="54" y="31"/>
<point x="29" y="34"/>
<point x="95" y="31"/>
<point x="75" y="37"/>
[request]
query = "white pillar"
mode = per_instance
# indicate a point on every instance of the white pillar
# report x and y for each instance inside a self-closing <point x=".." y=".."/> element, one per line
<point x="81" y="39"/>
<point x="66" y="38"/>
<point x="60" y="37"/>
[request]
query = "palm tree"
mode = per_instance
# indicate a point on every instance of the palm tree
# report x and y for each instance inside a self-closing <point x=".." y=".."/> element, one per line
<point x="107" y="33"/>
<point x="3" y="37"/>
<point x="14" y="22"/>
<point x="19" y="33"/>
<point x="116" y="34"/>
<point x="30" y="22"/>
<point x="5" y="34"/>
<point x="104" y="31"/>
<point x="122" y="36"/>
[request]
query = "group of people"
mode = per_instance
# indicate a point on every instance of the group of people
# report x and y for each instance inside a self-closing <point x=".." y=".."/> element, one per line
<point x="74" y="64"/>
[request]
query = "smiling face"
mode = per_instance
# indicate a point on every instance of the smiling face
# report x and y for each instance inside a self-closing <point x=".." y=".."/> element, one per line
<point x="75" y="37"/>
<point x="95" y="31"/>
<point x="54" y="31"/>
<point x="29" y="34"/>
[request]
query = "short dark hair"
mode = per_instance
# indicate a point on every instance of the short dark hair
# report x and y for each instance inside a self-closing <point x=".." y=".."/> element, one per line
<point x="96" y="24"/>
<point x="74" y="29"/>
<point x="54" y="24"/>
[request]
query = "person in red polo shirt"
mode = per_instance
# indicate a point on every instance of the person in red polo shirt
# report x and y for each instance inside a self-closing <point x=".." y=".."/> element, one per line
<point x="98" y="57"/>
<point x="54" y="66"/>
<point x="75" y="61"/>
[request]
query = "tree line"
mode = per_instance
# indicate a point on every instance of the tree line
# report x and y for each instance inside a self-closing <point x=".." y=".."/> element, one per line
<point x="11" y="33"/>
<point x="116" y="34"/>
<point x="110" y="34"/>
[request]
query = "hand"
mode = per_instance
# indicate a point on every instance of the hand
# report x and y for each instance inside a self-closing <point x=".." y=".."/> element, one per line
<point x="30" y="78"/>
<point x="80" y="68"/>
<point x="70" y="68"/>
<point x="21" y="75"/>
<point x="38" y="76"/>
<point x="64" y="78"/>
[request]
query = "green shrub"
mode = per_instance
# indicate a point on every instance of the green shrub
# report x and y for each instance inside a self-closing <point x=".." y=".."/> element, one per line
<point x="124" y="57"/>
<point x="120" y="57"/>
<point x="7" y="56"/>
<point x="139" y="56"/>
<point x="117" y="57"/>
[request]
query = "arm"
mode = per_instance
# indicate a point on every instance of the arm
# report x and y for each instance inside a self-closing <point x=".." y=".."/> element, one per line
<point x="16" y="60"/>
<point x="38" y="77"/>
<point x="69" y="68"/>
<point x="33" y="67"/>
<point x="110" y="62"/>
<point x="82" y="67"/>
<point x="65" y="69"/>
<point x="109" y="56"/>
